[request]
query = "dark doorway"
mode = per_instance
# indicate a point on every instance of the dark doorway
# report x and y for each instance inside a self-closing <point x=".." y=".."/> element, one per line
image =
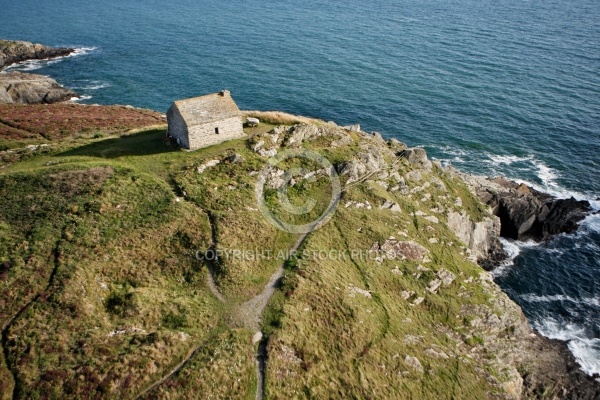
<point x="217" y="131"/>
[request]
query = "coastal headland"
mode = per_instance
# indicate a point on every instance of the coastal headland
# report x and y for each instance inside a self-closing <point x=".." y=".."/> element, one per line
<point x="109" y="287"/>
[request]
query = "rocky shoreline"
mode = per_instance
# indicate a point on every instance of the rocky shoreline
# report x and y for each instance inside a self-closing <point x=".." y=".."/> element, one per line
<point x="523" y="213"/>
<point x="537" y="367"/>
<point x="24" y="88"/>
<point x="12" y="52"/>
<point x="526" y="213"/>
<point x="520" y="213"/>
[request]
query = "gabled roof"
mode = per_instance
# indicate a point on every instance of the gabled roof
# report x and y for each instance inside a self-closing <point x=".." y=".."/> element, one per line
<point x="208" y="108"/>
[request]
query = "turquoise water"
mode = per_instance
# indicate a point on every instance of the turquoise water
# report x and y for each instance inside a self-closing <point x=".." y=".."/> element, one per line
<point x="494" y="87"/>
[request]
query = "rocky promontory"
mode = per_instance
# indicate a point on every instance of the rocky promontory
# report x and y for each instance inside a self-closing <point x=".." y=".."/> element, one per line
<point x="12" y="52"/>
<point x="108" y="287"/>
<point x="23" y="88"/>
<point x="524" y="212"/>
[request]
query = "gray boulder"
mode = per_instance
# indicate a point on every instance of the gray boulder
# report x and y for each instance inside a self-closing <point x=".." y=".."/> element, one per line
<point x="418" y="157"/>
<point x="21" y="88"/>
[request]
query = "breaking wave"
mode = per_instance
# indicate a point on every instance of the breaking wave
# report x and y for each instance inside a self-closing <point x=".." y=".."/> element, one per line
<point x="90" y="85"/>
<point x="585" y="350"/>
<point x="32" y="65"/>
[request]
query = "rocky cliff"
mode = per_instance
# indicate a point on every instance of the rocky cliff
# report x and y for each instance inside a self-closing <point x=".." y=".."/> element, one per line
<point x="525" y="213"/>
<point x="12" y="52"/>
<point x="23" y="88"/>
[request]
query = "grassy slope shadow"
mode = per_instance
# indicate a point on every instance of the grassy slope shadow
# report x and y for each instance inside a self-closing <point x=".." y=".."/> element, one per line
<point x="137" y="144"/>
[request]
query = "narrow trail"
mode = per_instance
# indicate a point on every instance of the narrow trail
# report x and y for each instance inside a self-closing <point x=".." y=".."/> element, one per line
<point x="174" y="370"/>
<point x="251" y="311"/>
<point x="214" y="235"/>
<point x="261" y="368"/>
<point x="210" y="282"/>
<point x="248" y="313"/>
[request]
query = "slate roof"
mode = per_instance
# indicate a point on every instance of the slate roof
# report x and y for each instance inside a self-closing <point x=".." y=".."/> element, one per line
<point x="208" y="108"/>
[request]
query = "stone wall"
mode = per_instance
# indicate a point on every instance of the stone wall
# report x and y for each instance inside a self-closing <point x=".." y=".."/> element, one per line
<point x="177" y="127"/>
<point x="205" y="135"/>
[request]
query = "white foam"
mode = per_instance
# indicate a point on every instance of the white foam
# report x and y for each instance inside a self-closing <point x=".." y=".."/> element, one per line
<point x="449" y="150"/>
<point x="553" y="329"/>
<point x="513" y="249"/>
<point x="534" y="298"/>
<point x="547" y="175"/>
<point x="585" y="350"/>
<point x="592" y="221"/>
<point x="92" y="85"/>
<point x="82" y="98"/>
<point x="500" y="165"/>
<point x="31" y="65"/>
<point x="79" y="51"/>
<point x="497" y="159"/>
<point x="587" y="354"/>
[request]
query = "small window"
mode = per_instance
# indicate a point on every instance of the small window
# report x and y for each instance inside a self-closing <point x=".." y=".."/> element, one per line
<point x="216" y="131"/>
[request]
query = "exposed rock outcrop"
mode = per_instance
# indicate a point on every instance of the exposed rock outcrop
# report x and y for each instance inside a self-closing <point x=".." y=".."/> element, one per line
<point x="481" y="238"/>
<point x="393" y="249"/>
<point x="21" y="88"/>
<point x="12" y="52"/>
<point x="418" y="157"/>
<point x="525" y="213"/>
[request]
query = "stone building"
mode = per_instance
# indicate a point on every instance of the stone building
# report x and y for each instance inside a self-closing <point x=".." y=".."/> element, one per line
<point x="203" y="121"/>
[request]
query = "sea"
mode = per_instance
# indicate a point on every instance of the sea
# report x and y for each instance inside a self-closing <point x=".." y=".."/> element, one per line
<point x="493" y="87"/>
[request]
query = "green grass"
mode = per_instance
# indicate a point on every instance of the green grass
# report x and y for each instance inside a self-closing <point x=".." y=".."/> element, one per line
<point x="98" y="246"/>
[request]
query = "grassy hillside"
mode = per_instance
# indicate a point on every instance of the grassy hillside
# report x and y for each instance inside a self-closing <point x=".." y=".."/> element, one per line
<point x="106" y="291"/>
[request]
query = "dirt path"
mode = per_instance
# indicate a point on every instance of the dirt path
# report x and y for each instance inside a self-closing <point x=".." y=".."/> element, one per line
<point x="249" y="313"/>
